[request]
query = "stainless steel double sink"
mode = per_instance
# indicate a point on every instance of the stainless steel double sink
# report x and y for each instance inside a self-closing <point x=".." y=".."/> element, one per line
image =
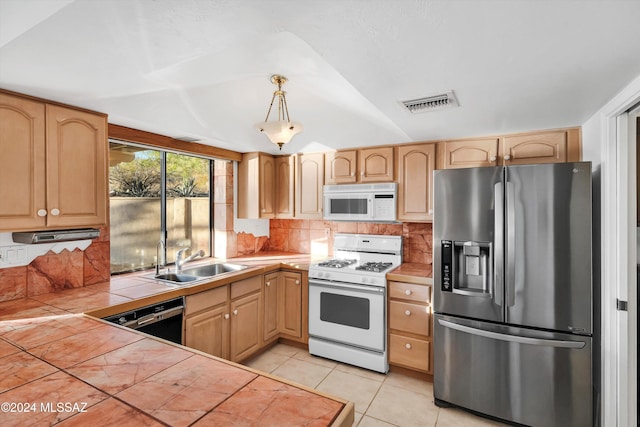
<point x="201" y="273"/>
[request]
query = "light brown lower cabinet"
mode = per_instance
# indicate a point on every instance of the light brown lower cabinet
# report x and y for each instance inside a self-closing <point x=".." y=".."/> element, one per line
<point x="206" y="322"/>
<point x="283" y="305"/>
<point x="290" y="304"/>
<point x="245" y="330"/>
<point x="410" y="326"/>
<point x="235" y="321"/>
<point x="270" y="301"/>
<point x="226" y="321"/>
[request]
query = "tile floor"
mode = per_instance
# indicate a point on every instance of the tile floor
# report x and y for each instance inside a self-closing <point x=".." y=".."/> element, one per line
<point x="380" y="400"/>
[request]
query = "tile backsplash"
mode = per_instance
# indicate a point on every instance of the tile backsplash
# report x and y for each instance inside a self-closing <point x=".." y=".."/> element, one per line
<point x="316" y="236"/>
<point x="54" y="271"/>
<point x="73" y="269"/>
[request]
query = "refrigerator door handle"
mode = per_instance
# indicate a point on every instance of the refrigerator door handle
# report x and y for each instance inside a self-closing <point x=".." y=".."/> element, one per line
<point x="499" y="243"/>
<point x="511" y="243"/>
<point x="511" y="338"/>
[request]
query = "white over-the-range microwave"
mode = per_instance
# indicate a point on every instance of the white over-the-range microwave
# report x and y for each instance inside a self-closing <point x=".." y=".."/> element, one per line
<point x="361" y="202"/>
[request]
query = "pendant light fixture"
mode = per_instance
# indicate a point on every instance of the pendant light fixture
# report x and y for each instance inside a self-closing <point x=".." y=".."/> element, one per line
<point x="279" y="131"/>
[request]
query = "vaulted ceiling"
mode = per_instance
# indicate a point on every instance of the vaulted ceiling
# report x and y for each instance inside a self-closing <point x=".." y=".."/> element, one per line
<point x="201" y="68"/>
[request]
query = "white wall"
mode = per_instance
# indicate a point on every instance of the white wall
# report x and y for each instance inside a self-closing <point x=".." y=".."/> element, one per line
<point x="257" y="227"/>
<point x="602" y="146"/>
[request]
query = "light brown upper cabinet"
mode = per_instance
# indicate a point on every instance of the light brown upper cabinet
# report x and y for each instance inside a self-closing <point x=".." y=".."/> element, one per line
<point x="284" y="193"/>
<point x="309" y="180"/>
<point x="545" y="147"/>
<point x="256" y="186"/>
<point x="341" y="167"/>
<point x="469" y="153"/>
<point x="376" y="164"/>
<point x="551" y="146"/>
<point x="43" y="184"/>
<point x="415" y="182"/>
<point x="362" y="165"/>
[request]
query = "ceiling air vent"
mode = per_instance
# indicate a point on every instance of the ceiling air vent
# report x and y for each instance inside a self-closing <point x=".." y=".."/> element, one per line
<point x="431" y="103"/>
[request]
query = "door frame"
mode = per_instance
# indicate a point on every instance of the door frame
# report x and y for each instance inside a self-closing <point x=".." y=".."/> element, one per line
<point x="618" y="259"/>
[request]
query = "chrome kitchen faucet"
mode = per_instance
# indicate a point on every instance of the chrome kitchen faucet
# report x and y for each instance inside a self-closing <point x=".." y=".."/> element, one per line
<point x="180" y="261"/>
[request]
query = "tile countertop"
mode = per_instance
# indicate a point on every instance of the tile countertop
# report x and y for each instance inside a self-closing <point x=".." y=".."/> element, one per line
<point x="412" y="272"/>
<point x="63" y="366"/>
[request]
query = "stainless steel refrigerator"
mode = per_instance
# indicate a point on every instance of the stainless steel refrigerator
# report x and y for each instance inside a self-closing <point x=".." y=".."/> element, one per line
<point x="513" y="293"/>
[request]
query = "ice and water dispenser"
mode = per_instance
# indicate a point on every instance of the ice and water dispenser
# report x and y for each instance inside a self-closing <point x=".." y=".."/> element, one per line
<point x="467" y="267"/>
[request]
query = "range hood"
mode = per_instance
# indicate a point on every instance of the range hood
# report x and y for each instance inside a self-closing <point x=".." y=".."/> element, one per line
<point x="53" y="236"/>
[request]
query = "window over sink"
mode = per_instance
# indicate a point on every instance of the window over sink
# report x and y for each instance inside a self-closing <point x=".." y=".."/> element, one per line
<point x="157" y="195"/>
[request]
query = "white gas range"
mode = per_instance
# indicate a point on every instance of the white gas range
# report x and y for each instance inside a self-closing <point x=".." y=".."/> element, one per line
<point x="347" y="300"/>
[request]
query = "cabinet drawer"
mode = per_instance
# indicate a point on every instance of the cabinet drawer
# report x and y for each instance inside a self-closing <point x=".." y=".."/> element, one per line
<point x="204" y="300"/>
<point x="246" y="286"/>
<point x="410" y="291"/>
<point x="409" y="352"/>
<point x="408" y="317"/>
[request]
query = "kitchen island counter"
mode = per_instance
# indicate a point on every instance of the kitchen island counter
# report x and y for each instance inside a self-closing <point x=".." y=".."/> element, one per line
<point x="65" y="366"/>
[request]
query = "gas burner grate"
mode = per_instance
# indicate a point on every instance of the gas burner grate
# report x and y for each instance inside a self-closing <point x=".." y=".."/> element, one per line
<point x="377" y="267"/>
<point x="337" y="263"/>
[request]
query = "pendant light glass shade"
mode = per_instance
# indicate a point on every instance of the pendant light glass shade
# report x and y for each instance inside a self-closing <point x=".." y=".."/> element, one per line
<point x="279" y="131"/>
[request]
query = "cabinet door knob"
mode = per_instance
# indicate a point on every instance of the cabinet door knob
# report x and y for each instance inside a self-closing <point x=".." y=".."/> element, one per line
<point x="235" y="312"/>
<point x="268" y="283"/>
<point x="408" y="313"/>
<point x="226" y="316"/>
<point x="493" y="159"/>
<point x="55" y="212"/>
<point x="507" y="157"/>
<point x="408" y="292"/>
<point x="407" y="346"/>
<point x="297" y="282"/>
<point x="42" y="212"/>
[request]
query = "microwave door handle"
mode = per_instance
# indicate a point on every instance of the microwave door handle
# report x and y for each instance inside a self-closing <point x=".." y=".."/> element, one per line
<point x="370" y="206"/>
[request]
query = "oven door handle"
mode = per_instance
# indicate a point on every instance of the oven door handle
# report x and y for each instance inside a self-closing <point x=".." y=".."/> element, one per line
<point x="343" y="285"/>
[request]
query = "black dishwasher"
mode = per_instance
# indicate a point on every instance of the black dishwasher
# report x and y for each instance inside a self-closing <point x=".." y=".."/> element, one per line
<point x="162" y="320"/>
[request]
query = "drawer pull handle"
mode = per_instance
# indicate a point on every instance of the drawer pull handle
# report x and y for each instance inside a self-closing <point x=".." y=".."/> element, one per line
<point x="407" y="346"/>
<point x="408" y="292"/>
<point x="408" y="313"/>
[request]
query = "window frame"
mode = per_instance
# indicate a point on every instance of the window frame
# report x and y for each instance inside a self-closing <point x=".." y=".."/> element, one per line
<point x="163" y="198"/>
